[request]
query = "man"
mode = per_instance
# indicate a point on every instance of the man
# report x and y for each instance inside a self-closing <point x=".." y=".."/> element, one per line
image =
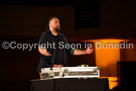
<point x="55" y="56"/>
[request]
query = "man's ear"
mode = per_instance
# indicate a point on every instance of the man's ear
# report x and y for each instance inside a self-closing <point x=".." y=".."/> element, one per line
<point x="49" y="25"/>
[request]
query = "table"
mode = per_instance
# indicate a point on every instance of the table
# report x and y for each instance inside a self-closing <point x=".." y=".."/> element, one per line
<point x="93" y="84"/>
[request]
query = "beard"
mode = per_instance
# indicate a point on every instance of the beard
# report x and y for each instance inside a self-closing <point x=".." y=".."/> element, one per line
<point x="57" y="29"/>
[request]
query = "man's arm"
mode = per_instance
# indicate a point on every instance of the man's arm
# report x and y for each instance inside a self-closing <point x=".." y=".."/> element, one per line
<point x="83" y="52"/>
<point x="43" y="51"/>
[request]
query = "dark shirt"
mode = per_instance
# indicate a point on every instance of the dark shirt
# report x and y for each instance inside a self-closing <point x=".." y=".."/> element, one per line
<point x="57" y="56"/>
<point x="58" y="51"/>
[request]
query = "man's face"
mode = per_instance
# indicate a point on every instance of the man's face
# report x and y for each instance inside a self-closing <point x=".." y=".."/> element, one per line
<point x="54" y="23"/>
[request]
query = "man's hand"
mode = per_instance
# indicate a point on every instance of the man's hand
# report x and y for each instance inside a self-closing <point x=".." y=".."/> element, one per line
<point x="83" y="52"/>
<point x="88" y="50"/>
<point x="46" y="53"/>
<point x="43" y="51"/>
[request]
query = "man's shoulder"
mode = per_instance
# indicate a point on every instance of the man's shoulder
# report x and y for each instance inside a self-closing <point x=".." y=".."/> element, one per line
<point x="46" y="33"/>
<point x="61" y="34"/>
<point x="49" y="33"/>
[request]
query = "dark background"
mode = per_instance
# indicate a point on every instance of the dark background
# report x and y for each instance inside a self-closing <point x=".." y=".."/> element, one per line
<point x="24" y="21"/>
